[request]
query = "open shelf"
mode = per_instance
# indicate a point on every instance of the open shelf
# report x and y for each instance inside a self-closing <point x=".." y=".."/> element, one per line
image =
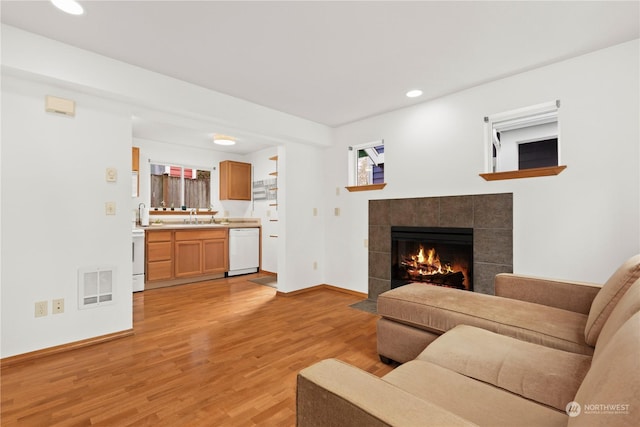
<point x="523" y="173"/>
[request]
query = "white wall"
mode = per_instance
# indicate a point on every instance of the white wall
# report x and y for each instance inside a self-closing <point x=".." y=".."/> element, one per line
<point x="301" y="178"/>
<point x="53" y="214"/>
<point x="579" y="225"/>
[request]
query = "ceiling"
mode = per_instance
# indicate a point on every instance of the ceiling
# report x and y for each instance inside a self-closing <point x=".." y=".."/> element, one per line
<point x="334" y="62"/>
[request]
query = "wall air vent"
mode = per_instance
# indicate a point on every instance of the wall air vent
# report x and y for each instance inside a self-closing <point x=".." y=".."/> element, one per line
<point x="95" y="286"/>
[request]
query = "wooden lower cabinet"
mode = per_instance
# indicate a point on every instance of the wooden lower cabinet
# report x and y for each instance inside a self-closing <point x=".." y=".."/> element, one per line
<point x="215" y="255"/>
<point x="159" y="256"/>
<point x="161" y="270"/>
<point x="183" y="254"/>
<point x="188" y="258"/>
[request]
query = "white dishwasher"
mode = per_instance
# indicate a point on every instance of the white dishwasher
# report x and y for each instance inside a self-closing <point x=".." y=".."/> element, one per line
<point x="244" y="250"/>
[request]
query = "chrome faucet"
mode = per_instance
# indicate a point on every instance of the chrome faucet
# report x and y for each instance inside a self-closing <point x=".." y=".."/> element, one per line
<point x="193" y="216"/>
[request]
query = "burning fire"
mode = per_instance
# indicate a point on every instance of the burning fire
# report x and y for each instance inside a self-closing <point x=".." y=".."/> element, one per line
<point x="429" y="264"/>
<point x="425" y="266"/>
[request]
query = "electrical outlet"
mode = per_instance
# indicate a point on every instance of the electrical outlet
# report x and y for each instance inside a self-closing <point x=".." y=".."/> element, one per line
<point x="41" y="308"/>
<point x="336" y="211"/>
<point x="315" y="265"/>
<point x="337" y="191"/>
<point x="110" y="208"/>
<point x="315" y="211"/>
<point x="366" y="243"/>
<point x="57" y="306"/>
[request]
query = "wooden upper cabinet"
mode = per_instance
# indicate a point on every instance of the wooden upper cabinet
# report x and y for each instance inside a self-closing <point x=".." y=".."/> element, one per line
<point x="235" y="180"/>
<point x="135" y="159"/>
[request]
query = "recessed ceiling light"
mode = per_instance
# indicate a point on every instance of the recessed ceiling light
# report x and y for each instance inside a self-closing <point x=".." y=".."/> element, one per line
<point x="414" y="93"/>
<point x="69" y="6"/>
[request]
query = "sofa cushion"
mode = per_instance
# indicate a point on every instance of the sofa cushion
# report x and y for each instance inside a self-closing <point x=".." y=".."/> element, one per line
<point x="401" y="342"/>
<point x="628" y="305"/>
<point x="539" y="373"/>
<point x="438" y="309"/>
<point x="610" y="392"/>
<point x="608" y="297"/>
<point x="480" y="403"/>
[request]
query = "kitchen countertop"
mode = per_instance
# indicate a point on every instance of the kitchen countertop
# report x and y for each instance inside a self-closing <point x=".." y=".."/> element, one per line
<point x="182" y="226"/>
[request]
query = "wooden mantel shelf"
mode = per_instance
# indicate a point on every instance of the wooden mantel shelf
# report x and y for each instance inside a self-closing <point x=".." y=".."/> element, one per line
<point x="524" y="173"/>
<point x="366" y="187"/>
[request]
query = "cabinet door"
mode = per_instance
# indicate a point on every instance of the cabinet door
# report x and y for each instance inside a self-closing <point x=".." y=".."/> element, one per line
<point x="188" y="258"/>
<point x="135" y="159"/>
<point x="216" y="255"/>
<point x="235" y="180"/>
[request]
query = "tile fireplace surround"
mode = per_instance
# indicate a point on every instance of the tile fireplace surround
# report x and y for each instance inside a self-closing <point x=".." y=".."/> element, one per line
<point x="490" y="216"/>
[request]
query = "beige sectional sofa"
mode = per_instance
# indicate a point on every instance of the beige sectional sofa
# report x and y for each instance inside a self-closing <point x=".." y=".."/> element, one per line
<point x="491" y="368"/>
<point x="559" y="314"/>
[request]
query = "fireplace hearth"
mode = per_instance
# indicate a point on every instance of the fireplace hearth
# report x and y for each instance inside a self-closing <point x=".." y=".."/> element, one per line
<point x="440" y="256"/>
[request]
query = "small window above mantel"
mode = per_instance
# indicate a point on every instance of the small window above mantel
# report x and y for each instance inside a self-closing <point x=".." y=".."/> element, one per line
<point x="523" y="143"/>
<point x="366" y="166"/>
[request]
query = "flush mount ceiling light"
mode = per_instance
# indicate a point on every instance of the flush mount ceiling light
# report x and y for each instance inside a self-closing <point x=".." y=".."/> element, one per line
<point x="414" y="93"/>
<point x="71" y="7"/>
<point x="223" y="140"/>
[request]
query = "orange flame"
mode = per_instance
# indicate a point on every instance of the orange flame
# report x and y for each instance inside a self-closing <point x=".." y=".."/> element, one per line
<point x="431" y="260"/>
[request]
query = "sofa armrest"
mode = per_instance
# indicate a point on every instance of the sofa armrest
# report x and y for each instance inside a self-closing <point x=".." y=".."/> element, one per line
<point x="333" y="393"/>
<point x="564" y="294"/>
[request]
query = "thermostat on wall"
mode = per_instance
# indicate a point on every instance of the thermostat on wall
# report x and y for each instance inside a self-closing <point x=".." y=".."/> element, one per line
<point x="112" y="174"/>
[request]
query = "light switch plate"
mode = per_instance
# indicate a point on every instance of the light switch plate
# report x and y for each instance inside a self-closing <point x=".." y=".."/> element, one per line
<point x="112" y="174"/>
<point x="41" y="308"/>
<point x="110" y="208"/>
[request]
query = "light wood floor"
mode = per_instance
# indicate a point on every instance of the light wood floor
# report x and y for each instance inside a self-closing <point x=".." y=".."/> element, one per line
<point x="219" y="353"/>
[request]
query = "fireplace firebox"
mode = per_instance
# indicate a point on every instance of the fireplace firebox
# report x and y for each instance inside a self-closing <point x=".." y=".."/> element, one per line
<point x="438" y="256"/>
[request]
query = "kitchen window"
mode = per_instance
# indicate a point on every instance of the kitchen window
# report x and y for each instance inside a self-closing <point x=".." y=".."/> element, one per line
<point x="174" y="186"/>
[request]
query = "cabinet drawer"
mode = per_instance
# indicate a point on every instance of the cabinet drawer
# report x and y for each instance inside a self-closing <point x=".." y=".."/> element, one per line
<point x="159" y="270"/>
<point x="158" y="251"/>
<point x="159" y="236"/>
<point x="201" y="234"/>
